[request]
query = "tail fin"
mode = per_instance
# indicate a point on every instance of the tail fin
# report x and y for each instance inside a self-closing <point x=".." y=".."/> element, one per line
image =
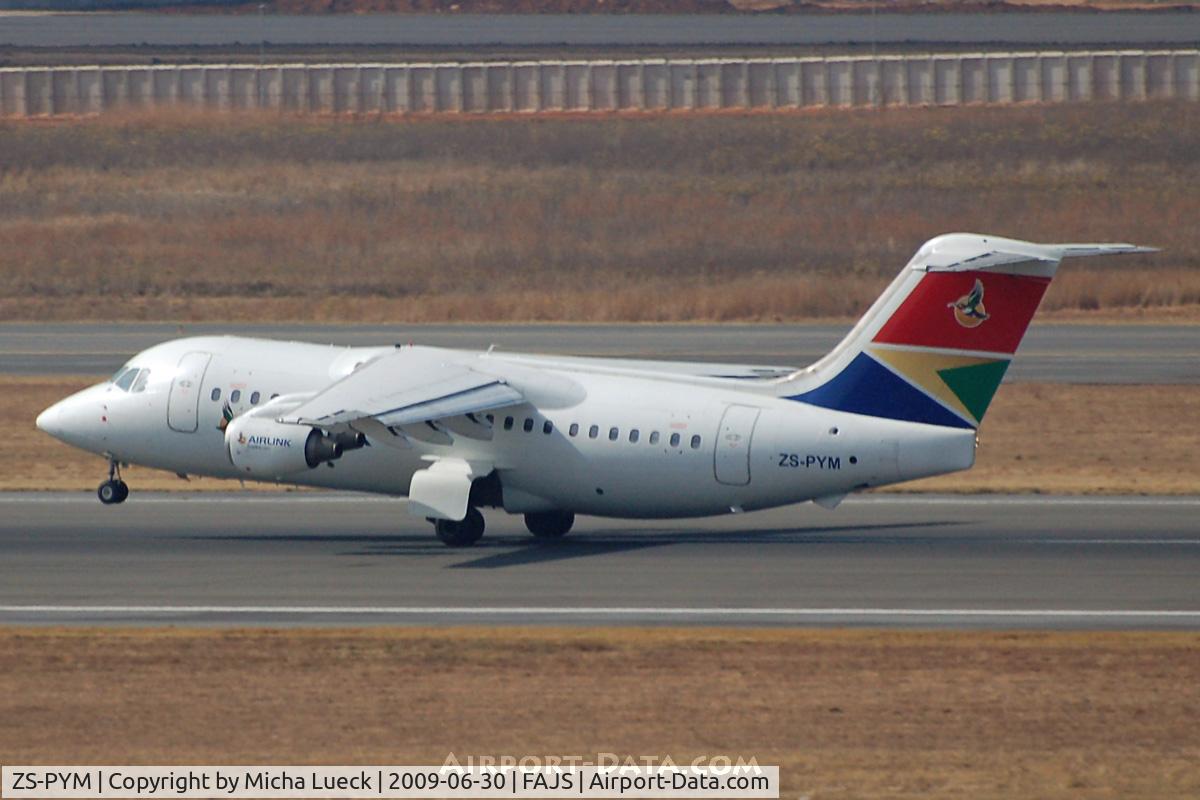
<point x="934" y="347"/>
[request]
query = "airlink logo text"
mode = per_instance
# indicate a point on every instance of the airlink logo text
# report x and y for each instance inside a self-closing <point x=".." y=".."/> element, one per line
<point x="268" y="441"/>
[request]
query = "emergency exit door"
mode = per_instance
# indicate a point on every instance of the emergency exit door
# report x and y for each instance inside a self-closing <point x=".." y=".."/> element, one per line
<point x="732" y="455"/>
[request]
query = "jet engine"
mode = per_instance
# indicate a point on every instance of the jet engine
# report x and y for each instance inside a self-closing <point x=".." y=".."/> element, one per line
<point x="263" y="448"/>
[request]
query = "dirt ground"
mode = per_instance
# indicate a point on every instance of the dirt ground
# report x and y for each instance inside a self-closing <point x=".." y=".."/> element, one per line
<point x="845" y="714"/>
<point x="1047" y="438"/>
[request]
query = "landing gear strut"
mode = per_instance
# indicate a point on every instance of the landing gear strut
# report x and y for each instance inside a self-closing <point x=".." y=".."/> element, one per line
<point x="454" y="533"/>
<point x="114" y="490"/>
<point x="550" y="524"/>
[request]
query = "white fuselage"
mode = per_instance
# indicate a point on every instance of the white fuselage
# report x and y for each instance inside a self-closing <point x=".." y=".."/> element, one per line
<point x="593" y="438"/>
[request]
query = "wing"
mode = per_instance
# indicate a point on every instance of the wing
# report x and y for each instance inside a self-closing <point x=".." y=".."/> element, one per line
<point x="646" y="367"/>
<point x="410" y="386"/>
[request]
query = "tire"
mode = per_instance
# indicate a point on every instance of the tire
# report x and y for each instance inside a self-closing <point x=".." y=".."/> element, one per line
<point x="550" y="524"/>
<point x="463" y="533"/>
<point x="122" y="491"/>
<point x="110" y="493"/>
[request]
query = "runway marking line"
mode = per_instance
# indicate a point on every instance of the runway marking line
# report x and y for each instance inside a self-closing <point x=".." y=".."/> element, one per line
<point x="159" y="498"/>
<point x="1115" y="541"/>
<point x="597" y="611"/>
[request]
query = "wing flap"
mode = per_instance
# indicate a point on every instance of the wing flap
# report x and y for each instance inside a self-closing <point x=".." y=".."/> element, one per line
<point x="413" y="385"/>
<point x="464" y="401"/>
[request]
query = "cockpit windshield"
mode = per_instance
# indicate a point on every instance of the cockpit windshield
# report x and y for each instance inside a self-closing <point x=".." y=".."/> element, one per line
<point x="131" y="379"/>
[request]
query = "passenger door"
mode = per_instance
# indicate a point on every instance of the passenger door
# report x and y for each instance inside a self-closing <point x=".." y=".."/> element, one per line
<point x="183" y="403"/>
<point x="732" y="454"/>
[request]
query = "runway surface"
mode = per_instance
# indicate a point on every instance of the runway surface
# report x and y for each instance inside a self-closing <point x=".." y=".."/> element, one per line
<point x="963" y="562"/>
<point x="100" y="29"/>
<point x="1145" y="354"/>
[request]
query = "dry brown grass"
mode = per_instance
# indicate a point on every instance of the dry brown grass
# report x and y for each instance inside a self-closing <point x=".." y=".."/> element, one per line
<point x="194" y="216"/>
<point x="1037" y="438"/>
<point x="1056" y="438"/>
<point x="846" y="714"/>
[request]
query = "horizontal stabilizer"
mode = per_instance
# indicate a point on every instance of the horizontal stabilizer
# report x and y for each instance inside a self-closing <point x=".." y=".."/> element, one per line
<point x="963" y="252"/>
<point x="1083" y="250"/>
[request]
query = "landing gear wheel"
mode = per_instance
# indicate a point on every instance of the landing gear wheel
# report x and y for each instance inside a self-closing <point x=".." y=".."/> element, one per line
<point x="550" y="524"/>
<point x="460" y="534"/>
<point x="112" y="492"/>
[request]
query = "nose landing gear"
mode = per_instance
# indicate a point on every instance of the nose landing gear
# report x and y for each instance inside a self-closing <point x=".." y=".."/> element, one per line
<point x="114" y="490"/>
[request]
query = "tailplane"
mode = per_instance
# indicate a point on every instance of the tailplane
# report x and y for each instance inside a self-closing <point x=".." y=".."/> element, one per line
<point x="935" y="346"/>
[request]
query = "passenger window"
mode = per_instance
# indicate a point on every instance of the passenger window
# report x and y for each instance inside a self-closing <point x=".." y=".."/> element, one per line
<point x="508" y="423"/>
<point x="254" y="398"/>
<point x="613" y="433"/>
<point x="528" y="424"/>
<point x="695" y="442"/>
<point x="574" y="429"/>
<point x="593" y="431"/>
<point x="633" y="436"/>
<point x="674" y="440"/>
<point x="235" y="395"/>
<point x="216" y="394"/>
<point x="547" y="427"/>
<point x="654" y="437"/>
<point x="140" y="384"/>
<point x="125" y="379"/>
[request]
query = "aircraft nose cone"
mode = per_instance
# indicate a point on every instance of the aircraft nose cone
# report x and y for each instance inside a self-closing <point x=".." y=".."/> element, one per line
<point x="50" y="420"/>
<point x="76" y="420"/>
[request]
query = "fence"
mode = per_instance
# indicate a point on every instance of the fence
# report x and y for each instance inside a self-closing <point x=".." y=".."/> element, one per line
<point x="633" y="85"/>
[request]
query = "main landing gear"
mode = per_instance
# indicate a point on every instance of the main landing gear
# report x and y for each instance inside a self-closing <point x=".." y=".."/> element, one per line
<point x="464" y="533"/>
<point x="545" y="525"/>
<point x="549" y="524"/>
<point x="114" y="490"/>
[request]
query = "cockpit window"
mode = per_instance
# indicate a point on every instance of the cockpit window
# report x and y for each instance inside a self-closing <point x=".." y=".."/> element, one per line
<point x="124" y="378"/>
<point x="139" y="385"/>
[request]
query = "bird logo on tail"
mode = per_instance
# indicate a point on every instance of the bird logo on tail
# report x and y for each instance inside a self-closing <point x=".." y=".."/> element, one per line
<point x="968" y="309"/>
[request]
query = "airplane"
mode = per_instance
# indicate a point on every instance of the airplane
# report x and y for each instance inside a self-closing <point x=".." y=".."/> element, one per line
<point x="547" y="436"/>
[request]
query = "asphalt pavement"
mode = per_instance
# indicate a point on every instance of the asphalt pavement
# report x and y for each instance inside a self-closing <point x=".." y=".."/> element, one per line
<point x="1032" y="29"/>
<point x="1125" y="354"/>
<point x="880" y="560"/>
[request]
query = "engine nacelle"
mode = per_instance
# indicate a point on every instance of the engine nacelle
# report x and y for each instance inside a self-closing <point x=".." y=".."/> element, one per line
<point x="263" y="448"/>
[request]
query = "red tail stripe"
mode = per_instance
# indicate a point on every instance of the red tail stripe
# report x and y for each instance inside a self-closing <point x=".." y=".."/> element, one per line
<point x="926" y="318"/>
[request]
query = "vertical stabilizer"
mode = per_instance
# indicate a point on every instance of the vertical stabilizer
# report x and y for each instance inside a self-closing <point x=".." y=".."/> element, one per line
<point x="937" y="343"/>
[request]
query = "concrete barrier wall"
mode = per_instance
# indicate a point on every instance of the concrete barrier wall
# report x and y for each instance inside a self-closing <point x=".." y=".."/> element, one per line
<point x="650" y="84"/>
